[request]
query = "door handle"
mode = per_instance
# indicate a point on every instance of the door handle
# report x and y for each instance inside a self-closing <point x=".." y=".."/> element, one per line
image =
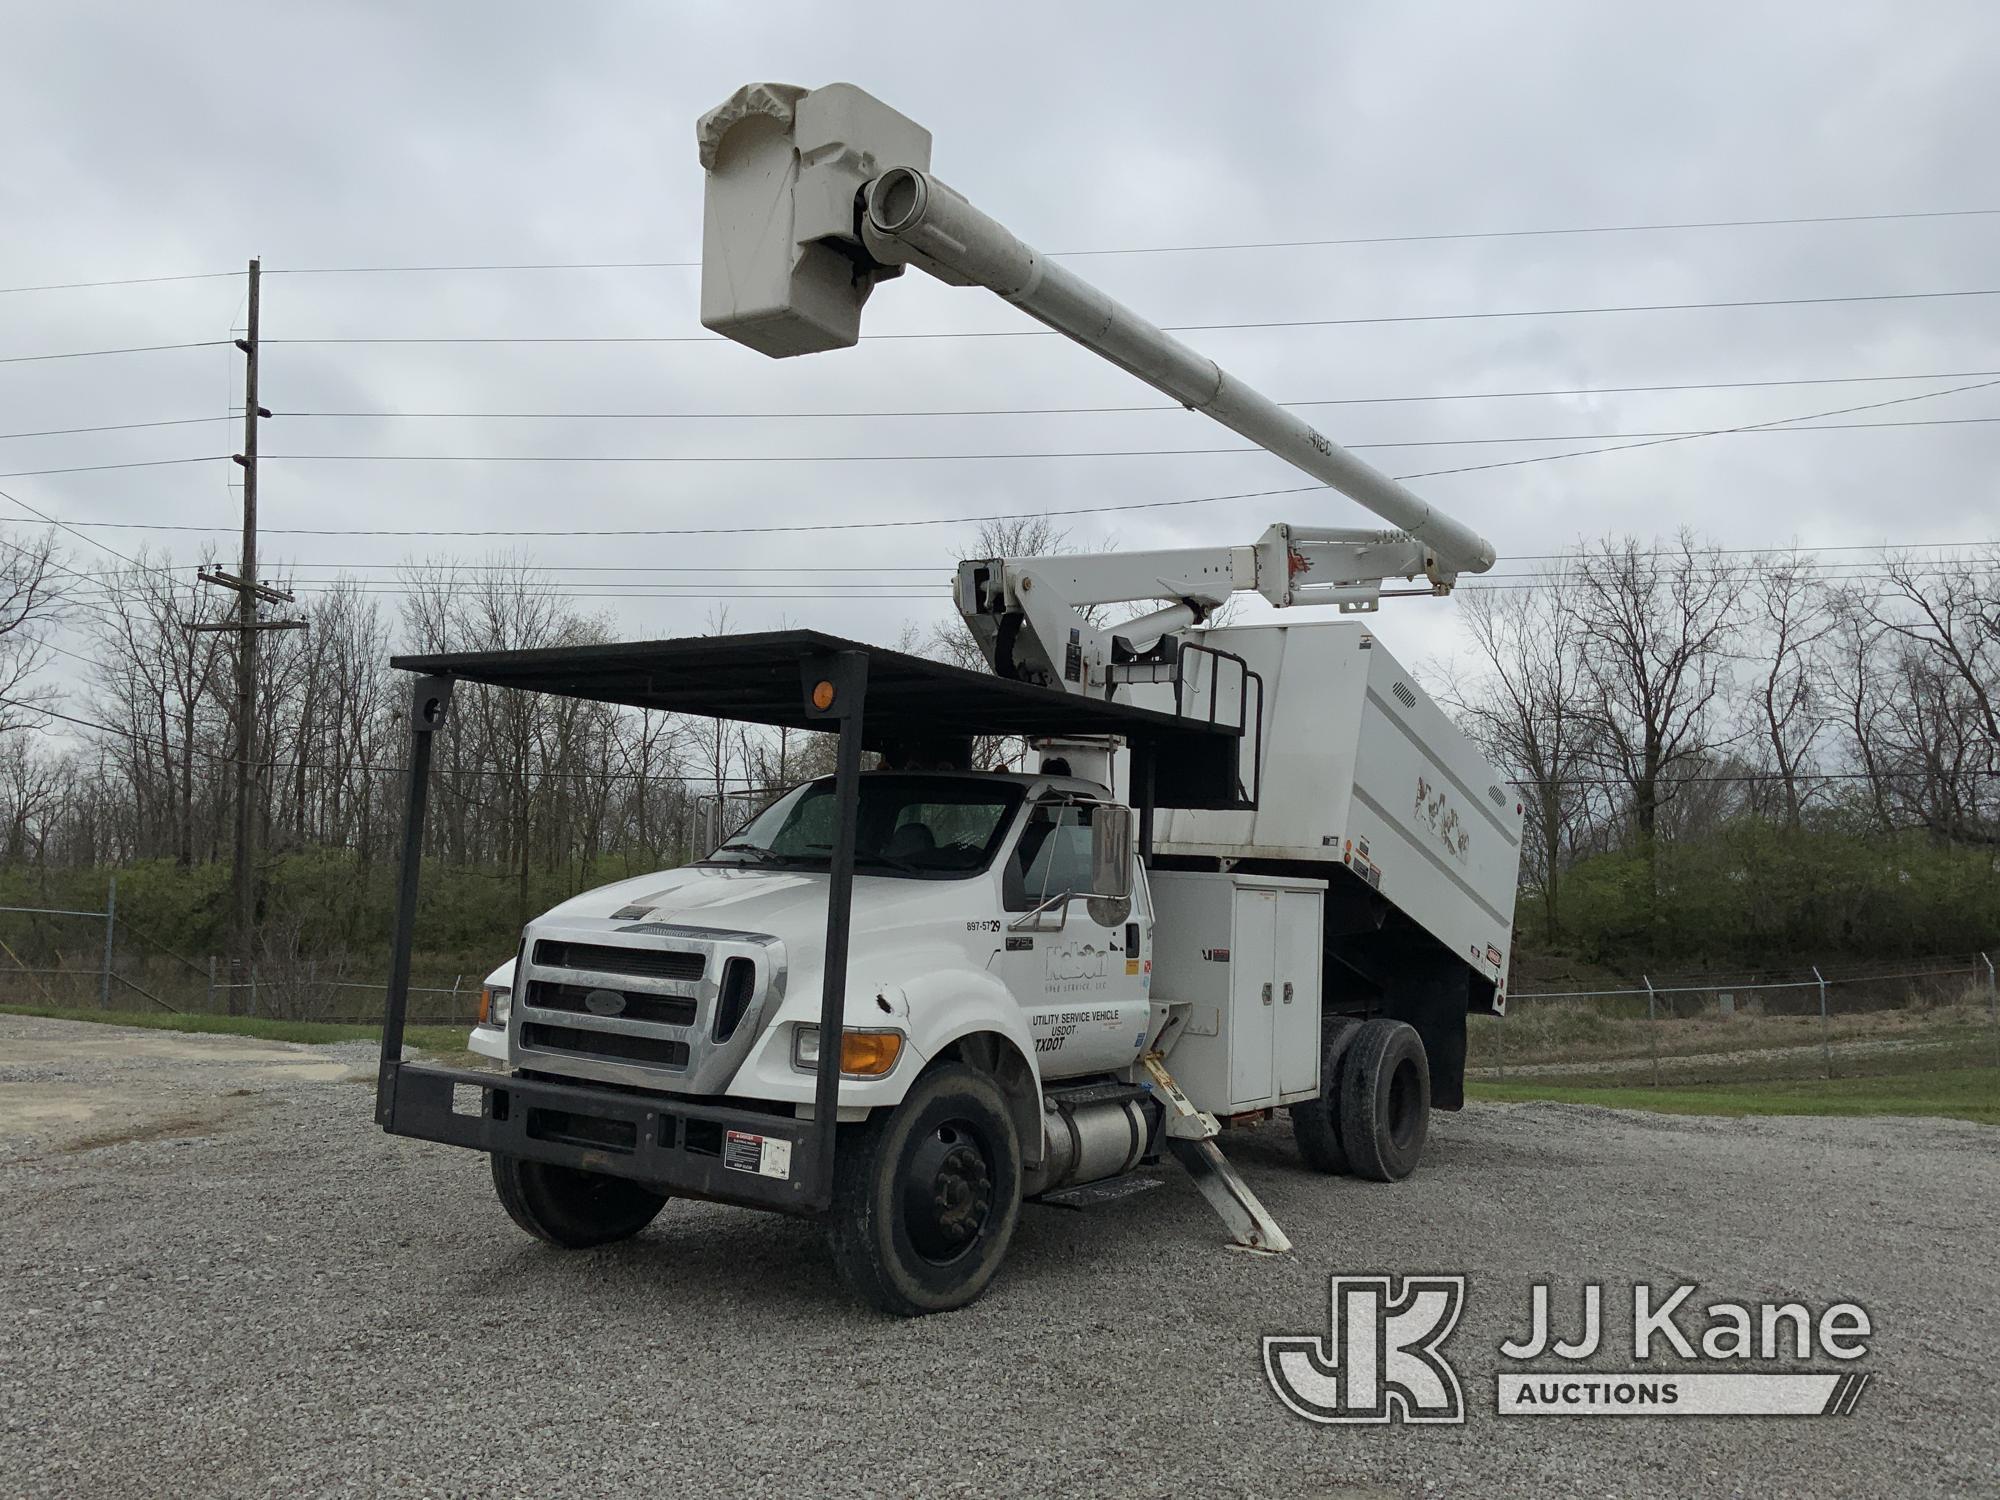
<point x="1288" y="992"/>
<point x="1267" y="993"/>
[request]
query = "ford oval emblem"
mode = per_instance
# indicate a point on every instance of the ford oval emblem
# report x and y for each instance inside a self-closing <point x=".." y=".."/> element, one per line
<point x="604" y="1003"/>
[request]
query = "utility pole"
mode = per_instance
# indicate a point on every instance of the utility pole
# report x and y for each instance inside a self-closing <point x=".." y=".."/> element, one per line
<point x="246" y="625"/>
<point x="242" y="879"/>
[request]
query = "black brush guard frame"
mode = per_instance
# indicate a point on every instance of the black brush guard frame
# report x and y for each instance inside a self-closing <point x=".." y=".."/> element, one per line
<point x="675" y="1144"/>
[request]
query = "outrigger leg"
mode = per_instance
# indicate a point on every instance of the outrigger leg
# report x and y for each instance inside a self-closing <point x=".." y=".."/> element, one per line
<point x="1191" y="1137"/>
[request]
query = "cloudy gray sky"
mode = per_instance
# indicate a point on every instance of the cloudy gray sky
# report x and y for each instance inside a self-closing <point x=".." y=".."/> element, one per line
<point x="156" y="140"/>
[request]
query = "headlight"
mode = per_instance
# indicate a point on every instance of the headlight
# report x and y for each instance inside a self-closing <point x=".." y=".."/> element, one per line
<point x="495" y="1001"/>
<point x="863" y="1054"/>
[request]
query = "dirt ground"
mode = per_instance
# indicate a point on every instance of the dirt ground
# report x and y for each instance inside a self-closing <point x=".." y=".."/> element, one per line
<point x="217" y="1277"/>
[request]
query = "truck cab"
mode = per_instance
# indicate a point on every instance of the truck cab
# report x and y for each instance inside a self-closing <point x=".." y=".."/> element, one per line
<point x="976" y="913"/>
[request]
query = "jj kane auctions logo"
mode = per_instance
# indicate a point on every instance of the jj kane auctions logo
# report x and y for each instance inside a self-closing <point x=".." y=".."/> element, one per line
<point x="1382" y="1358"/>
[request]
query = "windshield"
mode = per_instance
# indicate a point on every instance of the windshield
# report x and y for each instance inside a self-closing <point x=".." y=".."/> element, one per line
<point x="926" y="827"/>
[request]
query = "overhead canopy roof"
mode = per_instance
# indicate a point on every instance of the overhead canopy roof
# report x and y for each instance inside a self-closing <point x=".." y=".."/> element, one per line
<point x="757" y="678"/>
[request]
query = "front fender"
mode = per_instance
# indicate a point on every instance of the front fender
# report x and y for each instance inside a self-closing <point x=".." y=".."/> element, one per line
<point x="943" y="1003"/>
<point x="947" y="1007"/>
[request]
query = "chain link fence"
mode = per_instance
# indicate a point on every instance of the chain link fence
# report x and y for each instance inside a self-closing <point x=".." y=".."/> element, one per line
<point x="71" y="959"/>
<point x="1818" y="1021"/>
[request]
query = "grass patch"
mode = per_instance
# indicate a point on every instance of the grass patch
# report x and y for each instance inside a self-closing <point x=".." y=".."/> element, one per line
<point x="1955" y="1094"/>
<point x="429" y="1038"/>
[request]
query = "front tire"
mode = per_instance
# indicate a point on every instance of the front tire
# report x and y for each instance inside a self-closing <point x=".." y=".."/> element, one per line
<point x="1385" y="1100"/>
<point x="569" y="1207"/>
<point x="926" y="1196"/>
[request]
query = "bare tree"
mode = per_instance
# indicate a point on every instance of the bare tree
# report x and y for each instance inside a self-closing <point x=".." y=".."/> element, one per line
<point x="1950" y="610"/>
<point x="1527" y="707"/>
<point x="32" y="578"/>
<point x="1791" y="612"/>
<point x="159" y="687"/>
<point x="1658" y="625"/>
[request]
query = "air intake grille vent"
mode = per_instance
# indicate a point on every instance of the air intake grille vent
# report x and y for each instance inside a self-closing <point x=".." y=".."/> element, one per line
<point x="1403" y="695"/>
<point x="605" y="958"/>
<point x="1499" y="797"/>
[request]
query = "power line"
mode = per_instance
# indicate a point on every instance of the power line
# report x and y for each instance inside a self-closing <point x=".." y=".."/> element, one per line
<point x="936" y="578"/>
<point x="1006" y="411"/>
<point x="65" y="526"/>
<point x="143" y="463"/>
<point x="703" y="780"/>
<point x="1716" y="432"/>
<point x="1052" y="411"/>
<point x="1137" y="505"/>
<point x="904" y="458"/>
<point x="71" y="286"/>
<point x="556" y="590"/>
<point x="1776" y="425"/>
<point x="1301" y="244"/>
<point x="1510" y="234"/>
<point x="1297" y="244"/>
<point x="1049" y="333"/>
<point x="444" y="772"/>
<point x="29" y="359"/>
<point x="112" y="427"/>
<point x="1779" y="551"/>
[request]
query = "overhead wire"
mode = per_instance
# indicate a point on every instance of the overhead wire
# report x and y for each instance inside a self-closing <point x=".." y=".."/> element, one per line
<point x="29" y="359"/>
<point x="218" y="758"/>
<point x="1051" y="411"/>
<point x="1292" y="244"/>
<point x="1090" y="510"/>
<point x="1002" y="411"/>
<point x="901" y="458"/>
<point x="1040" y="333"/>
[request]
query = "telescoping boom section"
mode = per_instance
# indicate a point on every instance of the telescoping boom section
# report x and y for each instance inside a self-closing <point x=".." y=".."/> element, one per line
<point x="815" y="196"/>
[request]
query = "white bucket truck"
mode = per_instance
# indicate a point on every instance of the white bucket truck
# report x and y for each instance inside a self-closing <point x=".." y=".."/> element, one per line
<point x="1254" y="867"/>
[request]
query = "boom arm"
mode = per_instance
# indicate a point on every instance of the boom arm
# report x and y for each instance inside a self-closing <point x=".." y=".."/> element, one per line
<point x="815" y="196"/>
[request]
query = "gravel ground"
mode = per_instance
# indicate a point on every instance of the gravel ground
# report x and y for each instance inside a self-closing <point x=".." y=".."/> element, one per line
<point x="218" y="1278"/>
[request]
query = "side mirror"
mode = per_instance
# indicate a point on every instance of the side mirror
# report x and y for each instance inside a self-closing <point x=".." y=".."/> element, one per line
<point x="1111" y="851"/>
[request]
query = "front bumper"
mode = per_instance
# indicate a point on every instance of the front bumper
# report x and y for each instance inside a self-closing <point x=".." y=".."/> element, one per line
<point x="714" y="1151"/>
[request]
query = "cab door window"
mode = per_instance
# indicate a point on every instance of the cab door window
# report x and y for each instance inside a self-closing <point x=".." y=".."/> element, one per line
<point x="1051" y="857"/>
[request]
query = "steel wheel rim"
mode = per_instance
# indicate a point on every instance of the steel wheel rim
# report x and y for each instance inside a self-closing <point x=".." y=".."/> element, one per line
<point x="947" y="1197"/>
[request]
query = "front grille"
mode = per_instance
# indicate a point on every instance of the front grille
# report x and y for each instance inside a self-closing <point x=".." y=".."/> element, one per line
<point x="612" y="1046"/>
<point x="666" y="1010"/>
<point x="643" y="963"/>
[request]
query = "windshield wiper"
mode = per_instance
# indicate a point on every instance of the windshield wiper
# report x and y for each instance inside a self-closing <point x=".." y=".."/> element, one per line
<point x="763" y="855"/>
<point x="894" y="862"/>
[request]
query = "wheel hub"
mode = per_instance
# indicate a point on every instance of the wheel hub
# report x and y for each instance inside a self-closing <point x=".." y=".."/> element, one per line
<point x="949" y="1196"/>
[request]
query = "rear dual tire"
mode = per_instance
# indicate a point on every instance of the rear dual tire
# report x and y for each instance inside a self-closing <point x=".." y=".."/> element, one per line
<point x="1372" y="1116"/>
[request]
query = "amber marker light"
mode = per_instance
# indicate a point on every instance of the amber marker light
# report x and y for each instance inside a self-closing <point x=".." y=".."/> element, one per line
<point x="869" y="1054"/>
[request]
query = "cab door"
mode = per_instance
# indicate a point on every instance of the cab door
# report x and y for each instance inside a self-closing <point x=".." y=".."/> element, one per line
<point x="1083" y="982"/>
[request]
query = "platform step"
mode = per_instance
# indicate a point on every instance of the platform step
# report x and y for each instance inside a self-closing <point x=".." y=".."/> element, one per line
<point x="1096" y="1194"/>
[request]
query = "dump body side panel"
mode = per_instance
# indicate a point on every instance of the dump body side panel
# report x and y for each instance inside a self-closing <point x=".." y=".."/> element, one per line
<point x="1361" y="769"/>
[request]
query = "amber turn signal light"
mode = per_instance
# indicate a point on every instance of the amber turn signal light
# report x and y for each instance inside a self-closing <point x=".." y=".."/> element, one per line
<point x="869" y="1054"/>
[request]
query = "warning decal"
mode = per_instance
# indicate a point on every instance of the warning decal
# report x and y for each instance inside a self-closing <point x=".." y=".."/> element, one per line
<point x="767" y="1156"/>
